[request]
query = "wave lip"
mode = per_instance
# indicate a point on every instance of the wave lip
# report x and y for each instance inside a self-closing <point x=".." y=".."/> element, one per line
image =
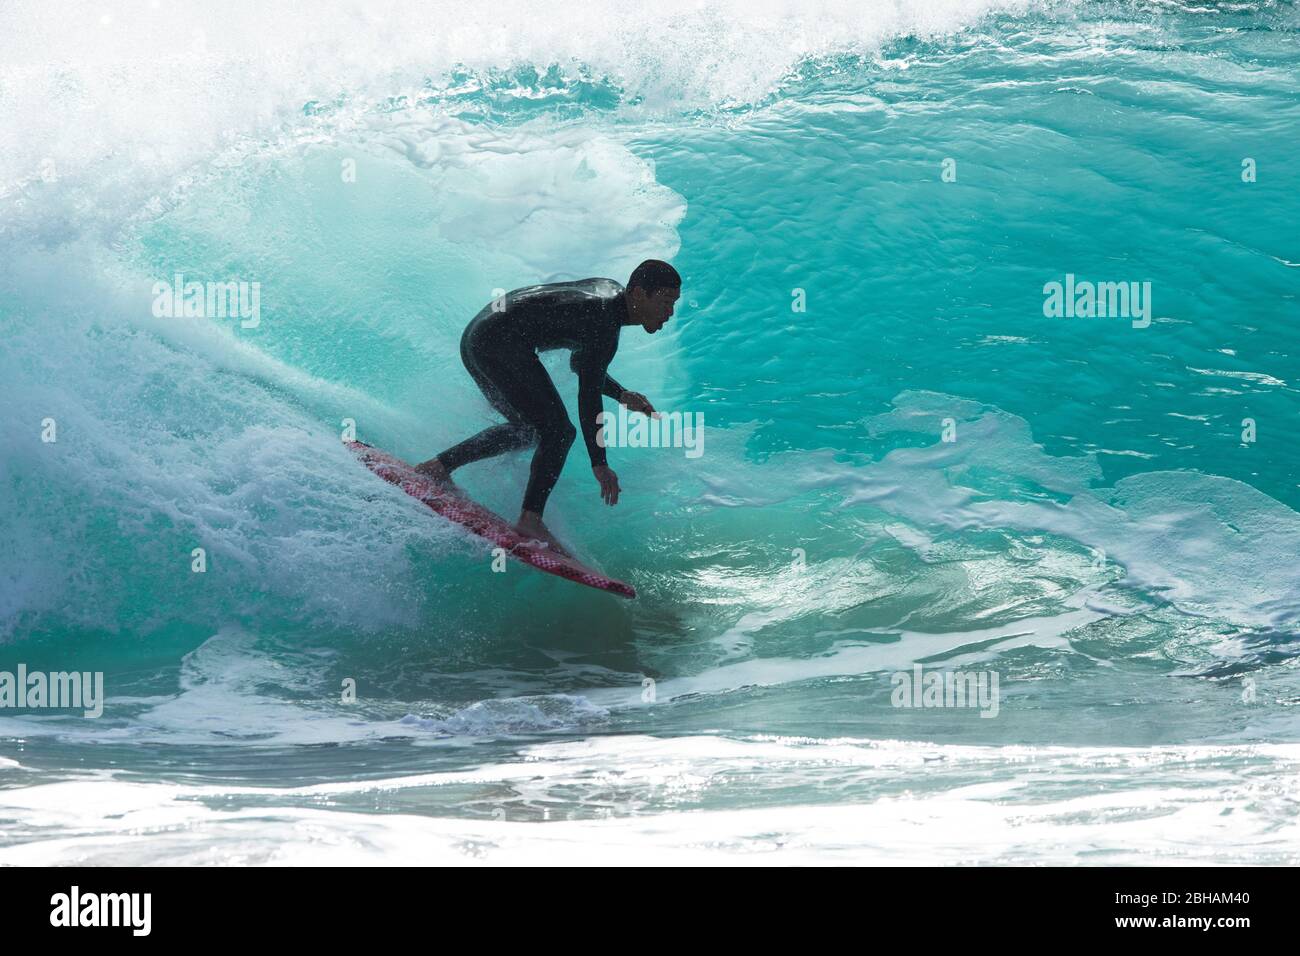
<point x="155" y="89"/>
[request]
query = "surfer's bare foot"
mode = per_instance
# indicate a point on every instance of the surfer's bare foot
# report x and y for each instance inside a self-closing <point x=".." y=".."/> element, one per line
<point x="530" y="526"/>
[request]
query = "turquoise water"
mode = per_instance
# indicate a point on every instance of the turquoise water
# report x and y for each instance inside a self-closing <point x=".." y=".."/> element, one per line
<point x="1098" y="534"/>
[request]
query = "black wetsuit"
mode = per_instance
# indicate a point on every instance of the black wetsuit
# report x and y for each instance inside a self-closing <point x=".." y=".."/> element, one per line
<point x="499" y="348"/>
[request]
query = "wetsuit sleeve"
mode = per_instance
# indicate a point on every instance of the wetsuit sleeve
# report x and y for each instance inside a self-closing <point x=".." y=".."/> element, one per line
<point x="608" y="387"/>
<point x="612" y="388"/>
<point x="590" y="364"/>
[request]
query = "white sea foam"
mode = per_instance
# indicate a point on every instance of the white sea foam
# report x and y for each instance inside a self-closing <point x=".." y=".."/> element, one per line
<point x="160" y="83"/>
<point x="613" y="800"/>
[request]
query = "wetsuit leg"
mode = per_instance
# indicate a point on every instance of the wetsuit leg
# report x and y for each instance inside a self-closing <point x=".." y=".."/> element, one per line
<point x="515" y="434"/>
<point x="527" y="387"/>
<point x="517" y="384"/>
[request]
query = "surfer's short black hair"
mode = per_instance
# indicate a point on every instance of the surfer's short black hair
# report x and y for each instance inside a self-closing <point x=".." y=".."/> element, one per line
<point x="653" y="275"/>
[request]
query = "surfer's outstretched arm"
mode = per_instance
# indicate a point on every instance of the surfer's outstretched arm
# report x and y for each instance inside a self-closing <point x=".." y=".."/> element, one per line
<point x="635" y="401"/>
<point x="612" y="388"/>
<point x="608" y="385"/>
<point x="592" y="381"/>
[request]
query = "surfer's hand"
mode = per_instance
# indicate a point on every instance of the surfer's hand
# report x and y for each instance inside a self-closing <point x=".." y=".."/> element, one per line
<point x="608" y="483"/>
<point x="637" y="402"/>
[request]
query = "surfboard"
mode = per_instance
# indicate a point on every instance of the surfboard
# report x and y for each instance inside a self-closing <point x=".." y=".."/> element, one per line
<point x="480" y="521"/>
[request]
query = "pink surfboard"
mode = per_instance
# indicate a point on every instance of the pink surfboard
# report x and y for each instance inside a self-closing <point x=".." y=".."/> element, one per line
<point x="484" y="523"/>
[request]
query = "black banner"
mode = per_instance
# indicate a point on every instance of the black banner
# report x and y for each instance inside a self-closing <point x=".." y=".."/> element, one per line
<point x="960" y="905"/>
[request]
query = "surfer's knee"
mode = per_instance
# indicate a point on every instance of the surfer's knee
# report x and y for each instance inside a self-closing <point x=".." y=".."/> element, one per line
<point x="559" y="434"/>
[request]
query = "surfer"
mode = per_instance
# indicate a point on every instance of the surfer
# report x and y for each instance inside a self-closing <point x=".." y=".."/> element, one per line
<point x="499" y="348"/>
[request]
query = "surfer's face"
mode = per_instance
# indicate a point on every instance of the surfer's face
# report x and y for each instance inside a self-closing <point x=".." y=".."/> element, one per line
<point x="652" y="312"/>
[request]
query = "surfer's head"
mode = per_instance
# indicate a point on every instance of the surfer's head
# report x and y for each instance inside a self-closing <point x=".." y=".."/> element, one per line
<point x="651" y="292"/>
